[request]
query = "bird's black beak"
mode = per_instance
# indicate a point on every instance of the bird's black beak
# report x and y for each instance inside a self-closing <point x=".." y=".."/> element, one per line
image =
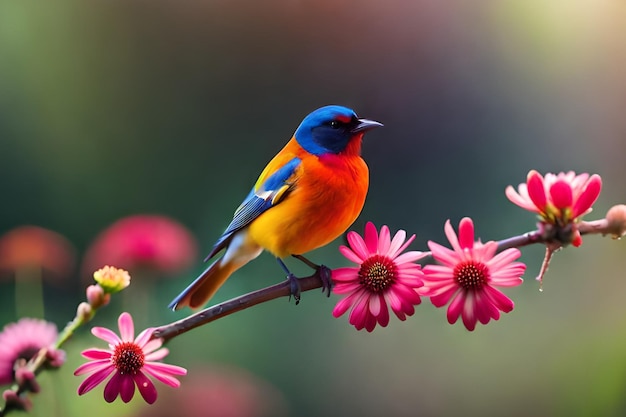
<point x="365" y="124"/>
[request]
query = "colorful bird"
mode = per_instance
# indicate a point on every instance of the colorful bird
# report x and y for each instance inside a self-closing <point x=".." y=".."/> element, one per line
<point x="308" y="195"/>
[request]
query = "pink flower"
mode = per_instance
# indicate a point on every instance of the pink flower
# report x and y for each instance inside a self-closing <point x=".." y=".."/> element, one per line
<point x="468" y="275"/>
<point x="36" y="247"/>
<point x="129" y="361"/>
<point x="383" y="276"/>
<point x="559" y="200"/>
<point x="143" y="241"/>
<point x="23" y="340"/>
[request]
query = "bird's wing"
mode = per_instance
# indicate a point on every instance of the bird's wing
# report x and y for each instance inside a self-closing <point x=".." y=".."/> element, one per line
<point x="269" y="190"/>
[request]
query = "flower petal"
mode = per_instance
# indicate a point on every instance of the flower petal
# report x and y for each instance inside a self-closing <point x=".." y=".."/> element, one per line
<point x="146" y="388"/>
<point x="163" y="377"/>
<point x="393" y="300"/>
<point x="483" y="308"/>
<point x="452" y="238"/>
<point x="444" y="295"/>
<point x="407" y="294"/>
<point x="384" y="241"/>
<point x="508" y="276"/>
<point x="144" y="337"/>
<point x="561" y="194"/>
<point x="409" y="257"/>
<point x="346" y="287"/>
<point x="502" y="259"/>
<point x="466" y="233"/>
<point x="383" y="316"/>
<point x="468" y="313"/>
<point x="370" y="323"/>
<point x="484" y="252"/>
<point x="519" y="199"/>
<point x="112" y="388"/>
<point x="350" y="255"/>
<point x="371" y="237"/>
<point x="374" y="305"/>
<point x="94" y="353"/>
<point x="348" y="274"/>
<point x="127" y="387"/>
<point x="358" y="314"/>
<point x="412" y="281"/>
<point x="344" y="304"/>
<point x="536" y="190"/>
<point x="152" y="345"/>
<point x="357" y="244"/>
<point x="107" y="335"/>
<point x="588" y="196"/>
<point x="93" y="366"/>
<point x="501" y="301"/>
<point x="157" y="355"/>
<point x="444" y="255"/>
<point x="95" y="379"/>
<point x="126" y="326"/>
<point x="167" y="368"/>
<point x="455" y="307"/>
<point x="396" y="244"/>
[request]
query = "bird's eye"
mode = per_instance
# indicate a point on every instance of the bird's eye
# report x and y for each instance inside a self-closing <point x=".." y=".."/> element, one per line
<point x="334" y="124"/>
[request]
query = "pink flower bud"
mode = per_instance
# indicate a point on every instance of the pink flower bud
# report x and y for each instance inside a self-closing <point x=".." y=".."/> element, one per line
<point x="14" y="401"/>
<point x="55" y="357"/>
<point x="84" y="311"/>
<point x="26" y="378"/>
<point x="616" y="217"/>
<point x="97" y="297"/>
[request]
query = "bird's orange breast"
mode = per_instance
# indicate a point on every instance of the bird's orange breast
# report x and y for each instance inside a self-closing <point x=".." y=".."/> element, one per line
<point x="326" y="199"/>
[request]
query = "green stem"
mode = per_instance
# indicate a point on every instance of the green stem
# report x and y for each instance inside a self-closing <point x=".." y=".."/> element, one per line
<point x="69" y="330"/>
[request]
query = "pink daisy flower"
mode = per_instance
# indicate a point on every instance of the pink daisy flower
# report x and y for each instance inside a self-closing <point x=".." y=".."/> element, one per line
<point x="23" y="340"/>
<point x="383" y="276"/>
<point x="559" y="200"/>
<point x="129" y="360"/>
<point x="155" y="242"/>
<point x="468" y="275"/>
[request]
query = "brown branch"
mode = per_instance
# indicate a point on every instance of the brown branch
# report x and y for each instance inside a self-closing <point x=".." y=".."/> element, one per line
<point x="169" y="331"/>
<point x="226" y="308"/>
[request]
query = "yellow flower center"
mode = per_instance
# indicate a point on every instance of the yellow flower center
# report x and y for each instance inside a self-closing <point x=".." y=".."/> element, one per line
<point x="377" y="273"/>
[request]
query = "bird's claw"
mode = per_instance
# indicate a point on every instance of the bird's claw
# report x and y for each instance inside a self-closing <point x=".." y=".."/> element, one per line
<point x="294" y="288"/>
<point x="325" y="275"/>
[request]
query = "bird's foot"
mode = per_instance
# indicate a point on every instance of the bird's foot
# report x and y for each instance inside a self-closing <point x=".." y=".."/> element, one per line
<point x="323" y="272"/>
<point x="326" y="276"/>
<point x="294" y="287"/>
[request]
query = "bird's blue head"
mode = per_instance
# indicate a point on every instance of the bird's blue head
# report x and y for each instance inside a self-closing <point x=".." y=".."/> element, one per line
<point x="330" y="129"/>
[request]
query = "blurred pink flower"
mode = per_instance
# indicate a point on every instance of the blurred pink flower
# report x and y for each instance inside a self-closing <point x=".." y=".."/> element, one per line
<point x="221" y="391"/>
<point x="383" y="275"/>
<point x="559" y="200"/>
<point x="468" y="275"/>
<point x="33" y="246"/>
<point x="143" y="241"/>
<point x="129" y="360"/>
<point x="23" y="340"/>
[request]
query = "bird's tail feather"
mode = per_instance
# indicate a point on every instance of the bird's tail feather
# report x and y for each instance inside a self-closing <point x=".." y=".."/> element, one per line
<point x="205" y="286"/>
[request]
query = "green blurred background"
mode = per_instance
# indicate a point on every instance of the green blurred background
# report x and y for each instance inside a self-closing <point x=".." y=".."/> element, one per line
<point x="112" y="108"/>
